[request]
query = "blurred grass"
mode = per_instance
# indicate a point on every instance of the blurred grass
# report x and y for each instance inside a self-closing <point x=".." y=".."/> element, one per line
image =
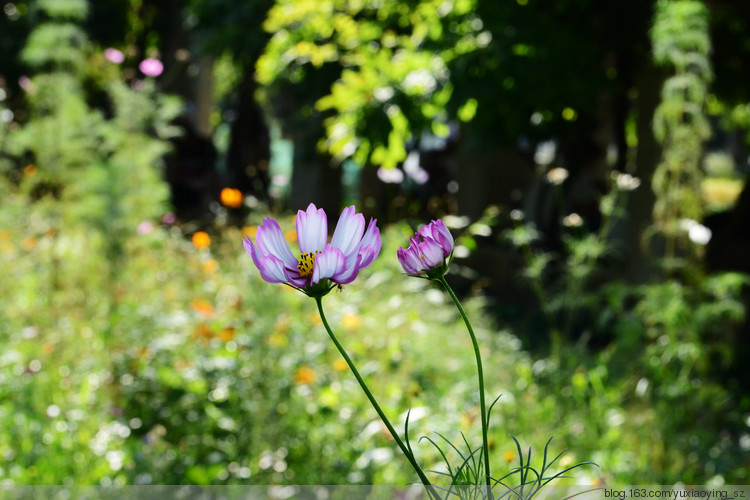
<point x="183" y="366"/>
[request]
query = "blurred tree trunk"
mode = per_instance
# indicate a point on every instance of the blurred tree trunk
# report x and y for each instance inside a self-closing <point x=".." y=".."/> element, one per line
<point x="314" y="178"/>
<point x="649" y="80"/>
<point x="250" y="144"/>
<point x="191" y="166"/>
<point x="191" y="79"/>
<point x="489" y="176"/>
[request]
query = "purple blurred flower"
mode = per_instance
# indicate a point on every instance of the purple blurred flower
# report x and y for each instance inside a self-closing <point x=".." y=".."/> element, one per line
<point x="114" y="55"/>
<point x="169" y="218"/>
<point x="429" y="253"/>
<point x="350" y="250"/>
<point x="151" y="67"/>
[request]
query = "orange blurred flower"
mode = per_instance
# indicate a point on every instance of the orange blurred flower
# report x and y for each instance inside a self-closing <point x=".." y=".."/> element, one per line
<point x="202" y="307"/>
<point x="202" y="331"/>
<point x="466" y="420"/>
<point x="29" y="243"/>
<point x="250" y="231"/>
<point x="5" y="244"/>
<point x="201" y="240"/>
<point x="226" y="334"/>
<point x="278" y="339"/>
<point x="210" y="266"/>
<point x="304" y="375"/>
<point x="290" y="235"/>
<point x="145" y="352"/>
<point x="48" y="348"/>
<point x="508" y="456"/>
<point x="29" y="170"/>
<point x="340" y="365"/>
<point x="351" y="321"/>
<point x="315" y="319"/>
<point x="182" y="364"/>
<point x="231" y="198"/>
<point x="281" y="324"/>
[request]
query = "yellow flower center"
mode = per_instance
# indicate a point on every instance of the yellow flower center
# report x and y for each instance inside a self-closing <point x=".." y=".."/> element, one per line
<point x="306" y="263"/>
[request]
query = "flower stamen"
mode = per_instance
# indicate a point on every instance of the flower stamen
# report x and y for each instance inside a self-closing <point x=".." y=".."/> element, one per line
<point x="306" y="263"/>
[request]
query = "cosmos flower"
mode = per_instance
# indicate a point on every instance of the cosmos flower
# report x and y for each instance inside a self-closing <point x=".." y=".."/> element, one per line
<point x="321" y="265"/>
<point x="430" y="251"/>
<point x="151" y="67"/>
<point x="114" y="56"/>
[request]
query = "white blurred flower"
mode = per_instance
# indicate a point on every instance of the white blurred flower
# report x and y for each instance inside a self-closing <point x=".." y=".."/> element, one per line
<point x="484" y="38"/>
<point x="414" y="170"/>
<point x="697" y="232"/>
<point x="419" y="81"/>
<point x="626" y="182"/>
<point x="382" y="94"/>
<point x="145" y="227"/>
<point x="53" y="411"/>
<point x="115" y="459"/>
<point x="266" y="460"/>
<point x="545" y="151"/>
<point x="572" y="220"/>
<point x="390" y="175"/>
<point x="557" y="176"/>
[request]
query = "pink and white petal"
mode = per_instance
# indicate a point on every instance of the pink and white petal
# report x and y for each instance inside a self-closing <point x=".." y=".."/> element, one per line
<point x="371" y="239"/>
<point x="293" y="277"/>
<point x="250" y="249"/>
<point x="406" y="261"/>
<point x="431" y="253"/>
<point x="312" y="229"/>
<point x="367" y="255"/>
<point x="349" y="272"/>
<point x="328" y="263"/>
<point x="411" y="259"/>
<point x="348" y="232"/>
<point x="426" y="231"/>
<point x="443" y="236"/>
<point x="271" y="269"/>
<point x="271" y="241"/>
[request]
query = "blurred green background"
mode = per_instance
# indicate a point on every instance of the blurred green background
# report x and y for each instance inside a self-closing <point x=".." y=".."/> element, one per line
<point x="590" y="157"/>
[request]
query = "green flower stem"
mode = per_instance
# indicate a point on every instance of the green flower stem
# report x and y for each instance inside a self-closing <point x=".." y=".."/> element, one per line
<point x="363" y="385"/>
<point x="480" y="374"/>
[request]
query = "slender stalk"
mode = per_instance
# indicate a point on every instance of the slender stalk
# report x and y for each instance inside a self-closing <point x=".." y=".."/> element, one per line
<point x="480" y="375"/>
<point x="363" y="385"/>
